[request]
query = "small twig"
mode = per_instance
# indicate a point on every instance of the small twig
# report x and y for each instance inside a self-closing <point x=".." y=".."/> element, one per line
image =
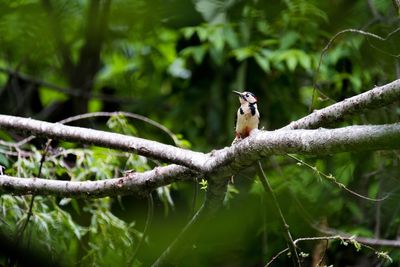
<point x="42" y="160"/>
<point x="268" y="190"/>
<point x="149" y="218"/>
<point x="344" y="240"/>
<point x="126" y="114"/>
<point x="215" y="194"/>
<point x="101" y="114"/>
<point x="364" y="240"/>
<point x="276" y="256"/>
<point x="326" y="48"/>
<point x="29" y="214"/>
<point x="323" y="255"/>
<point x="21" y="153"/>
<point x="373" y="10"/>
<point x="384" y="39"/>
<point x="330" y="177"/>
<point x="195" y="194"/>
<point x="70" y="91"/>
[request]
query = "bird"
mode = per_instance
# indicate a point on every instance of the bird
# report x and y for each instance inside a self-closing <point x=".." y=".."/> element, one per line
<point x="247" y="117"/>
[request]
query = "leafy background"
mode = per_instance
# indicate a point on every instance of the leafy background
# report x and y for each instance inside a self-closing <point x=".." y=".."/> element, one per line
<point x="176" y="62"/>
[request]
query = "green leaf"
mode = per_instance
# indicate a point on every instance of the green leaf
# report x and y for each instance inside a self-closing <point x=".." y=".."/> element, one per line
<point x="202" y="32"/>
<point x="4" y="162"/>
<point x="291" y="63"/>
<point x="243" y="53"/>
<point x="263" y="62"/>
<point x="198" y="53"/>
<point x="217" y="38"/>
<point x="95" y="105"/>
<point x="373" y="190"/>
<point x="217" y="56"/>
<point x="304" y="60"/>
<point x="355" y="211"/>
<point x="188" y="32"/>
<point x="231" y="37"/>
<point x="48" y="96"/>
<point x="288" y="40"/>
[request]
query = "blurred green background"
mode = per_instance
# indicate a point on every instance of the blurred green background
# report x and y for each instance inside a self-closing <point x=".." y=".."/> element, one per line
<point x="176" y="62"/>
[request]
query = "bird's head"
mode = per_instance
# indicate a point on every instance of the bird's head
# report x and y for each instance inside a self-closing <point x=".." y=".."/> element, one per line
<point x="246" y="97"/>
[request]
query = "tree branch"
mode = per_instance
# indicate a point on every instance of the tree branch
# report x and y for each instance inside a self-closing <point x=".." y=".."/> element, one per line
<point x="141" y="146"/>
<point x="375" y="98"/>
<point x="220" y="163"/>
<point x="140" y="183"/>
<point x="314" y="142"/>
<point x="225" y="161"/>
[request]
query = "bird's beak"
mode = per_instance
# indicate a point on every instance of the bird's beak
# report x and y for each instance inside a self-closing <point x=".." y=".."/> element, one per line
<point x="236" y="92"/>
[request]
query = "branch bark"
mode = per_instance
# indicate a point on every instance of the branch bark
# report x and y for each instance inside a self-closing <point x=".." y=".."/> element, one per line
<point x="375" y="98"/>
<point x="218" y="164"/>
<point x="227" y="161"/>
<point x="140" y="183"/>
<point x="105" y="139"/>
<point x="313" y="142"/>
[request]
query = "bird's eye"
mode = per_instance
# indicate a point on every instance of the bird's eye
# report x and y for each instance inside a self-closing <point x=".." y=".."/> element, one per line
<point x="247" y="95"/>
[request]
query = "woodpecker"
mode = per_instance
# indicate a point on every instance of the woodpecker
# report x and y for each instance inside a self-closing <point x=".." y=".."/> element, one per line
<point x="247" y="117"/>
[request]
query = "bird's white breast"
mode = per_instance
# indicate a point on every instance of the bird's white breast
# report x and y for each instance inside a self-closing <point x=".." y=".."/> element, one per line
<point x="246" y="122"/>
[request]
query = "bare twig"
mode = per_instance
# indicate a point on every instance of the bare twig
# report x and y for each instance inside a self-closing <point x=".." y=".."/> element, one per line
<point x="323" y="255"/>
<point x="70" y="91"/>
<point x="125" y="114"/>
<point x="276" y="256"/>
<point x="123" y="142"/>
<point x="364" y="240"/>
<point x="288" y="236"/>
<point x="344" y="240"/>
<point x="331" y="178"/>
<point x="216" y="190"/>
<point x="29" y="214"/>
<point x="149" y="218"/>
<point x="326" y="48"/>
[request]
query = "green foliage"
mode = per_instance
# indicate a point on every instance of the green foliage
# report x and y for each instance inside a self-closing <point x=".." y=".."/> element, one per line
<point x="110" y="239"/>
<point x="203" y="183"/>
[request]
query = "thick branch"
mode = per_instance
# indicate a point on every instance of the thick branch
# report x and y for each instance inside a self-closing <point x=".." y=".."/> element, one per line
<point x="378" y="97"/>
<point x="313" y="142"/>
<point x="140" y="183"/>
<point x="227" y="160"/>
<point x="105" y="139"/>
